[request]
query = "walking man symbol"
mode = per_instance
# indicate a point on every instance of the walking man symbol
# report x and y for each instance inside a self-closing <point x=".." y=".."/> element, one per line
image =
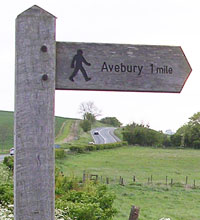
<point x="77" y="61"/>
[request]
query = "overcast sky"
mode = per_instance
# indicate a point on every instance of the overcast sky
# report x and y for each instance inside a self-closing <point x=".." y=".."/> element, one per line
<point x="148" y="22"/>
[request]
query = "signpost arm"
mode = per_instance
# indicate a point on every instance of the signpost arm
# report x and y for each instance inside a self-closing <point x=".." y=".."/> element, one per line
<point x="34" y="115"/>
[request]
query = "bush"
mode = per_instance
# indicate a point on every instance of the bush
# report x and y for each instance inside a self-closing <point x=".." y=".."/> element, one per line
<point x="142" y="136"/>
<point x="196" y="144"/>
<point x="90" y="147"/>
<point x="176" y="140"/>
<point x="59" y="153"/>
<point x="166" y="142"/>
<point x="6" y="193"/>
<point x="89" y="201"/>
<point x="86" y="125"/>
<point x="111" y="121"/>
<point x="94" y="204"/>
<point x="9" y="162"/>
<point x="77" y="148"/>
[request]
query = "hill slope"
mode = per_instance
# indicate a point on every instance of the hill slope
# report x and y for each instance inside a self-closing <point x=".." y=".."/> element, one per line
<point x="66" y="130"/>
<point x="7" y="128"/>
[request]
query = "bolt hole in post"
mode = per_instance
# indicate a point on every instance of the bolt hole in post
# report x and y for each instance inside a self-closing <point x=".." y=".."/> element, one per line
<point x="44" y="77"/>
<point x="44" y="48"/>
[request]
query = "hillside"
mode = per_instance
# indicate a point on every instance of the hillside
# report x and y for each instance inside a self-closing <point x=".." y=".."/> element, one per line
<point x="66" y="130"/>
<point x="7" y="127"/>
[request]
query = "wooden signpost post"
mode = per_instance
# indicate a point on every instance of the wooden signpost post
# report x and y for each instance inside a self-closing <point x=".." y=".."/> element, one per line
<point x="42" y="65"/>
<point x="34" y="115"/>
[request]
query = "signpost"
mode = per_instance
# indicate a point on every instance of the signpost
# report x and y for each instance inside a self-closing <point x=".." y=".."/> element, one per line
<point x="119" y="67"/>
<point x="42" y="65"/>
<point x="34" y="115"/>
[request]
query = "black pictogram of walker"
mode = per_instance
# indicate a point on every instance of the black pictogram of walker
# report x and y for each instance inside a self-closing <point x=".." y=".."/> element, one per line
<point x="77" y="62"/>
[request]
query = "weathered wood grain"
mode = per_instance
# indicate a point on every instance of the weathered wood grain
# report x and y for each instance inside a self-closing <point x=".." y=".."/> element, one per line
<point x="109" y="67"/>
<point x="34" y="115"/>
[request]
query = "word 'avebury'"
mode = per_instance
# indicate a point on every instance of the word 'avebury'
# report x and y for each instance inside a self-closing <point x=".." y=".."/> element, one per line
<point x="120" y="67"/>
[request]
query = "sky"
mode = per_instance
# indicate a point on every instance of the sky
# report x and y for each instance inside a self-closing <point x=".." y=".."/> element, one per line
<point x="142" y="22"/>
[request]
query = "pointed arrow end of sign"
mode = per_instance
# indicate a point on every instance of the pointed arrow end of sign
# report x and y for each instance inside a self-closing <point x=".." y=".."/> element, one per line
<point x="189" y="69"/>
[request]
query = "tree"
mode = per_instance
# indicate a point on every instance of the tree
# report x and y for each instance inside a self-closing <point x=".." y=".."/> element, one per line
<point x="142" y="136"/>
<point x="195" y="119"/>
<point x="190" y="132"/>
<point x="90" y="117"/>
<point x="85" y="125"/>
<point x="176" y="140"/>
<point x="111" y="121"/>
<point x="89" y="111"/>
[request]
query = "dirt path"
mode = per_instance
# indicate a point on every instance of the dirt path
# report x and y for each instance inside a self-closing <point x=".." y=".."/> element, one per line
<point x="73" y="133"/>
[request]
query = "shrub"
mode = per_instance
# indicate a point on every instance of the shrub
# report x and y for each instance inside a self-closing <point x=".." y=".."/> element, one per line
<point x="89" y="147"/>
<point x="176" y="140"/>
<point x="89" y="201"/>
<point x="142" y="136"/>
<point x="85" y="125"/>
<point x="77" y="148"/>
<point x="6" y="193"/>
<point x="95" y="204"/>
<point x="6" y="212"/>
<point x="196" y="144"/>
<point x="63" y="184"/>
<point x="111" y="121"/>
<point x="9" y="162"/>
<point x="59" y="153"/>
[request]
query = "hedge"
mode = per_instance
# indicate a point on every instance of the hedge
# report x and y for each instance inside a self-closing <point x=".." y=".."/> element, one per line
<point x="59" y="153"/>
<point x="94" y="147"/>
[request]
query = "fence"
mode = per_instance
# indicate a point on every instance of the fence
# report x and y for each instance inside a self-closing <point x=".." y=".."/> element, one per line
<point x="149" y="180"/>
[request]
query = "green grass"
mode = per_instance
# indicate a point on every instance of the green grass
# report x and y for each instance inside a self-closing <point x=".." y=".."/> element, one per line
<point x="6" y="131"/>
<point x="64" y="130"/>
<point x="118" y="133"/>
<point x="156" y="200"/>
<point x="58" y="124"/>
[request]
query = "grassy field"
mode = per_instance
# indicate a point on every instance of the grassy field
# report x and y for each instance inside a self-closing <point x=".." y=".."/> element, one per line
<point x="156" y="199"/>
<point x="6" y="130"/>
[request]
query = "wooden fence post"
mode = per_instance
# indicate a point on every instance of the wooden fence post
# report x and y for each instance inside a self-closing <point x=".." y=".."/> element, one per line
<point x="194" y="184"/>
<point x="186" y="180"/>
<point x="84" y="176"/>
<point x="134" y="214"/>
<point x="34" y="115"/>
<point x="122" y="181"/>
<point x="107" y="180"/>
